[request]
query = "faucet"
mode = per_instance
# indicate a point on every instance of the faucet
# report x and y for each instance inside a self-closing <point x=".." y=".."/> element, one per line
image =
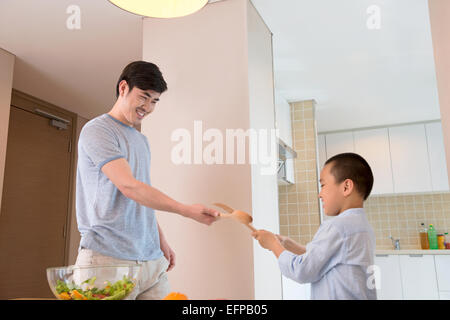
<point x="395" y="243"/>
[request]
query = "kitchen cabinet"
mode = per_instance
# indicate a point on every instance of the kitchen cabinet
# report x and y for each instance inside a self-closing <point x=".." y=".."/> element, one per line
<point x="409" y="157"/>
<point x="436" y="152"/>
<point x="443" y="272"/>
<point x="444" y="295"/>
<point x="418" y="276"/>
<point x="373" y="146"/>
<point x="339" y="142"/>
<point x="290" y="171"/>
<point x="404" y="159"/>
<point x="388" y="280"/>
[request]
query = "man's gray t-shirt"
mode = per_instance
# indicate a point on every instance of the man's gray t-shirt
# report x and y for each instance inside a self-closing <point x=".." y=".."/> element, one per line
<point x="109" y="222"/>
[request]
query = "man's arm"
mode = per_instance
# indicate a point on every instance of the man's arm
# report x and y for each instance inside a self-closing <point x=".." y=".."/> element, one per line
<point x="120" y="174"/>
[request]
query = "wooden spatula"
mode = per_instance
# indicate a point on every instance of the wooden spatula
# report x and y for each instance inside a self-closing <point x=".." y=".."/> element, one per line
<point x="241" y="216"/>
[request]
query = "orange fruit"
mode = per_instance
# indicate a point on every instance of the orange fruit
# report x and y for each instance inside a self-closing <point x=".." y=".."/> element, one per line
<point x="175" y="296"/>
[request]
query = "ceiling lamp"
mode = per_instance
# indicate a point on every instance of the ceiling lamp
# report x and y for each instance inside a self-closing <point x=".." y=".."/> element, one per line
<point x="160" y="8"/>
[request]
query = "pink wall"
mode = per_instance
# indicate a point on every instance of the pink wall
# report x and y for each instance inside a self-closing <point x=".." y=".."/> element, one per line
<point x="440" y="30"/>
<point x="204" y="60"/>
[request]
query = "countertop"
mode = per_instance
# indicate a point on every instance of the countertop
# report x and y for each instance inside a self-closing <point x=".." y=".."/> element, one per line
<point x="418" y="251"/>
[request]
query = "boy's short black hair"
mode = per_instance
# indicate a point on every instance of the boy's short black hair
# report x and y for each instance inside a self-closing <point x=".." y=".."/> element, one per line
<point x="352" y="166"/>
<point x="143" y="75"/>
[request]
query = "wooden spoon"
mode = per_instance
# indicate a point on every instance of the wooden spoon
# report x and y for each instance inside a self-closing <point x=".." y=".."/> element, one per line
<point x="241" y="216"/>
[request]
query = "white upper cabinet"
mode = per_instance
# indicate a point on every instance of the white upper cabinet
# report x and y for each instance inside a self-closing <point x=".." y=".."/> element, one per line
<point x="436" y="151"/>
<point x="373" y="145"/>
<point x="409" y="156"/>
<point x="404" y="159"/>
<point x="339" y="142"/>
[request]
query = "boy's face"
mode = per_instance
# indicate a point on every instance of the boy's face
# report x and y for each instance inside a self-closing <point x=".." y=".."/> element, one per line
<point x="137" y="104"/>
<point x="331" y="193"/>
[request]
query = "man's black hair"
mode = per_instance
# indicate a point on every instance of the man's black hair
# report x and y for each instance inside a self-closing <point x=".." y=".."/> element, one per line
<point x="143" y="75"/>
<point x="352" y="166"/>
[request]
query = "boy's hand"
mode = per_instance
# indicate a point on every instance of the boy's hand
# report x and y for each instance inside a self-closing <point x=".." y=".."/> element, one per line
<point x="269" y="241"/>
<point x="266" y="239"/>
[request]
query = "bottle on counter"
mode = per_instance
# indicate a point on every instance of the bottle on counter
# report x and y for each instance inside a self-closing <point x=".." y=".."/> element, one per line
<point x="432" y="238"/>
<point x="447" y="243"/>
<point x="441" y="241"/>
<point x="424" y="237"/>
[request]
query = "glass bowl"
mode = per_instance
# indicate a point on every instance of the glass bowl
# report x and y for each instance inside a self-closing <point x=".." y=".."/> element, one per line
<point x="100" y="282"/>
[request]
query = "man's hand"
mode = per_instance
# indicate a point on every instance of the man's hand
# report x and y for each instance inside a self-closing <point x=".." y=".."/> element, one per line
<point x="200" y="213"/>
<point x="269" y="241"/>
<point x="169" y="254"/>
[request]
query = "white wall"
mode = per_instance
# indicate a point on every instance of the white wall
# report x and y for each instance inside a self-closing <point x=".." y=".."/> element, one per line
<point x="325" y="51"/>
<point x="283" y="119"/>
<point x="6" y="81"/>
<point x="440" y="28"/>
<point x="264" y="186"/>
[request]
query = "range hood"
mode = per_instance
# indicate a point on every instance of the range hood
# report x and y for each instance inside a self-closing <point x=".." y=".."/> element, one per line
<point x="284" y="153"/>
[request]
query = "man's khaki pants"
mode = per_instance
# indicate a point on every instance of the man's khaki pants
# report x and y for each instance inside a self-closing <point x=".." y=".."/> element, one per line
<point x="152" y="282"/>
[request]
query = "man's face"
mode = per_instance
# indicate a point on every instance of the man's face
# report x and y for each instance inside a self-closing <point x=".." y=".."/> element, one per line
<point x="137" y="104"/>
<point x="331" y="193"/>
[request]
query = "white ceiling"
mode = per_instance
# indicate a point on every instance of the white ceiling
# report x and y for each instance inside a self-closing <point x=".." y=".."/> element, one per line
<point x="323" y="50"/>
<point x="74" y="69"/>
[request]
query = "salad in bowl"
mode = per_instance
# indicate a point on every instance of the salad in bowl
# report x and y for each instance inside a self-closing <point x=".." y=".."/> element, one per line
<point x="106" y="282"/>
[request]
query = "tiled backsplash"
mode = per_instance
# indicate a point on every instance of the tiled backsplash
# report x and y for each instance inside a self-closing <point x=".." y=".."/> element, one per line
<point x="401" y="216"/>
<point x="299" y="203"/>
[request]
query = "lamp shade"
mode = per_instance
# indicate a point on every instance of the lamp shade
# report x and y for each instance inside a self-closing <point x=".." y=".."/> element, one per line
<point x="160" y="8"/>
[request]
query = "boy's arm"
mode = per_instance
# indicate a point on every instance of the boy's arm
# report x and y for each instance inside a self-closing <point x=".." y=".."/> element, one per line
<point x="291" y="245"/>
<point x="322" y="254"/>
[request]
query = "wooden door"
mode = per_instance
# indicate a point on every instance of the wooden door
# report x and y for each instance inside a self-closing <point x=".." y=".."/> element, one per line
<point x="35" y="204"/>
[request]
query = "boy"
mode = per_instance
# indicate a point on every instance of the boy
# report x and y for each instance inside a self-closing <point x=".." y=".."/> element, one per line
<point x="336" y="261"/>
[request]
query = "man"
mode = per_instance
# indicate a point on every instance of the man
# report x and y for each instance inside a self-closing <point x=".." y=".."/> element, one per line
<point x="115" y="200"/>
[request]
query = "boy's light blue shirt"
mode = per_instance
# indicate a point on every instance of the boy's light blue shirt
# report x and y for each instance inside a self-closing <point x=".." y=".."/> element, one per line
<point x="109" y="222"/>
<point x="336" y="261"/>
